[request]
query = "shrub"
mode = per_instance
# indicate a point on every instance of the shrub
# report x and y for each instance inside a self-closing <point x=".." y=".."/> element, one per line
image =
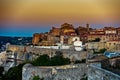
<point x="14" y="73"/>
<point x="84" y="78"/>
<point x="45" y="60"/>
<point x="82" y="61"/>
<point x="100" y="51"/>
<point x="1" y="71"/>
<point x="36" y="78"/>
<point x="103" y="50"/>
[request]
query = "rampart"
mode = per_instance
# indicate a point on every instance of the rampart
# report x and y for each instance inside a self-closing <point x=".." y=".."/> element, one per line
<point x="66" y="72"/>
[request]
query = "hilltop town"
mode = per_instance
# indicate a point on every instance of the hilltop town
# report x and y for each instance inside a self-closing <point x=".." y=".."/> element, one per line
<point x="65" y="53"/>
<point x="107" y="37"/>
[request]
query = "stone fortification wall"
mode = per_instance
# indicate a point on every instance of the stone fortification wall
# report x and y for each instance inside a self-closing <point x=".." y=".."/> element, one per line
<point x="67" y="72"/>
<point x="97" y="73"/>
<point x="72" y="54"/>
<point x="71" y="74"/>
<point x="30" y="71"/>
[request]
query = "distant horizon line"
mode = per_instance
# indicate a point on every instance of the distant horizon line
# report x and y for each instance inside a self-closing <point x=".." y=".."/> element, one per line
<point x="5" y="32"/>
<point x="13" y="36"/>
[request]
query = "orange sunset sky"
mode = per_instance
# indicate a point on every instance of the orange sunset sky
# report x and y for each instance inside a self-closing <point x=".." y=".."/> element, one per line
<point x="56" y="12"/>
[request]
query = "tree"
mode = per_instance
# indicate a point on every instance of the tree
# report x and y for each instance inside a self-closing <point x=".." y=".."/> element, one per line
<point x="84" y="78"/>
<point x="103" y="50"/>
<point x="42" y="60"/>
<point x="1" y="71"/>
<point x="45" y="60"/>
<point x="59" y="60"/>
<point x="14" y="73"/>
<point x="59" y="53"/>
<point x="80" y="61"/>
<point x="36" y="78"/>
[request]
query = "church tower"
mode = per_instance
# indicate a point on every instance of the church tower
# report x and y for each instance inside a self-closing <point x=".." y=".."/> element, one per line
<point x="87" y="26"/>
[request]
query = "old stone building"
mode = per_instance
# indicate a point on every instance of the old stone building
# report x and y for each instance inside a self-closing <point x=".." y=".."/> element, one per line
<point x="95" y="45"/>
<point x="54" y="35"/>
<point x="111" y="33"/>
<point x="118" y="31"/>
<point x="83" y="32"/>
<point x="109" y="45"/>
<point x="94" y="34"/>
<point x="71" y="39"/>
<point x="67" y="29"/>
<point x="66" y="32"/>
<point x="36" y="38"/>
<point x="52" y="40"/>
<point x="105" y="34"/>
<point x="55" y="31"/>
<point x="110" y="30"/>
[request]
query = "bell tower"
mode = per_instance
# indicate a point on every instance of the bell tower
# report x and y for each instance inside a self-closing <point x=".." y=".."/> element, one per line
<point x="87" y="26"/>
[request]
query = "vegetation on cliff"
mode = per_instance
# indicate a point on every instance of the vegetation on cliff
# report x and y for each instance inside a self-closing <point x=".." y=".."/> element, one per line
<point x="1" y="71"/>
<point x="45" y="60"/>
<point x="15" y="73"/>
<point x="101" y="51"/>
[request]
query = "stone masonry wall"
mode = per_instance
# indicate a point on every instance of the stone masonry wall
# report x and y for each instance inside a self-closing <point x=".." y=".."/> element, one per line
<point x="67" y="72"/>
<point x="97" y="73"/>
<point x="72" y="54"/>
<point x="72" y="73"/>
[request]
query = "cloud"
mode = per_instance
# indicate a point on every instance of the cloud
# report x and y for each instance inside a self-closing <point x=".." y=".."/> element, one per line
<point x="54" y="11"/>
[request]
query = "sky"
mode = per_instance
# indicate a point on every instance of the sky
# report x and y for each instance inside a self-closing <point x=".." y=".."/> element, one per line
<point x="25" y="17"/>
